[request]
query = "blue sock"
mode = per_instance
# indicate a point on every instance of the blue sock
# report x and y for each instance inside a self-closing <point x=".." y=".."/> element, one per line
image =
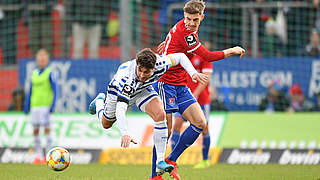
<point x="154" y="163"/>
<point x="187" y="138"/>
<point x="205" y="146"/>
<point x="174" y="139"/>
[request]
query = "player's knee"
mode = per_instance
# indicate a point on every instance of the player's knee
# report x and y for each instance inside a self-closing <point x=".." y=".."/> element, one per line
<point x="201" y="124"/>
<point x="160" y="116"/>
<point x="205" y="130"/>
<point x="106" y="125"/>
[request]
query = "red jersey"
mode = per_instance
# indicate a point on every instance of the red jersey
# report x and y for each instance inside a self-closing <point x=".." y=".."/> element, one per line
<point x="179" y="40"/>
<point x="201" y="66"/>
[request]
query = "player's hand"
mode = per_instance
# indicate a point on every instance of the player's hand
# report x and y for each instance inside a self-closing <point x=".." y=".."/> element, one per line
<point x="238" y="50"/>
<point x="200" y="77"/>
<point x="126" y="140"/>
<point x="160" y="48"/>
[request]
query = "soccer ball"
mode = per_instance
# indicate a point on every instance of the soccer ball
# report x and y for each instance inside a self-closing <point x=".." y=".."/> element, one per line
<point x="58" y="159"/>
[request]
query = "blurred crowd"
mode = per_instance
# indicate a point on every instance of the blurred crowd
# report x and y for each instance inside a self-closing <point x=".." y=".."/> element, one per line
<point x="80" y="29"/>
<point x="276" y="100"/>
<point x="90" y="29"/>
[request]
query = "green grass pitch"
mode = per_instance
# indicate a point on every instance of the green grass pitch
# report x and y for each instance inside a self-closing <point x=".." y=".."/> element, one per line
<point x="140" y="172"/>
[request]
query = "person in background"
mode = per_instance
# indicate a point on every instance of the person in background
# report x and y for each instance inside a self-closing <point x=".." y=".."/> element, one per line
<point x="87" y="18"/>
<point x="275" y="99"/>
<point x="10" y="14"/>
<point x="17" y="100"/>
<point x="37" y="15"/>
<point x="298" y="102"/>
<point x="313" y="48"/>
<point x="317" y="106"/>
<point x="216" y="104"/>
<point x="40" y="101"/>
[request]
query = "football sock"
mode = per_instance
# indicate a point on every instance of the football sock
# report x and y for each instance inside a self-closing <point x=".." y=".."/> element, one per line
<point x="99" y="108"/>
<point x="49" y="142"/>
<point x="205" y="146"/>
<point x="160" y="138"/>
<point x="187" y="138"/>
<point x="37" y="146"/>
<point x="154" y="162"/>
<point x="174" y="138"/>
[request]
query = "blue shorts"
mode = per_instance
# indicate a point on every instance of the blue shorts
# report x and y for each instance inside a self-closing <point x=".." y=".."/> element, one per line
<point x="174" y="98"/>
<point x="205" y="109"/>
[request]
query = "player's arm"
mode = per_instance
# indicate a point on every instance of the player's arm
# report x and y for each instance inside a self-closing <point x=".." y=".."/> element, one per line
<point x="201" y="86"/>
<point x="53" y="84"/>
<point x="183" y="60"/>
<point x="121" y="109"/>
<point x="27" y="100"/>
<point x="218" y="55"/>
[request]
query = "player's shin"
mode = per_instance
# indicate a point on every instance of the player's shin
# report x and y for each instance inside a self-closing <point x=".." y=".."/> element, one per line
<point x="160" y="139"/>
<point x="187" y="138"/>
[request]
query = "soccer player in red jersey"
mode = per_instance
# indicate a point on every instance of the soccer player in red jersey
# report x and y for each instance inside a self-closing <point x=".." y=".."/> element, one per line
<point x="175" y="95"/>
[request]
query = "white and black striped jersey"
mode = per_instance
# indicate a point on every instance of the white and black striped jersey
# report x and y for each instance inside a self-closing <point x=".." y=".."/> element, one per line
<point x="125" y="83"/>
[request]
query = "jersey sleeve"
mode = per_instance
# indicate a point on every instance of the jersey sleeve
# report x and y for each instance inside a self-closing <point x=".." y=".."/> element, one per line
<point x="121" y="109"/>
<point x="125" y="93"/>
<point x="183" y="60"/>
<point x="121" y="85"/>
<point x="190" y="42"/>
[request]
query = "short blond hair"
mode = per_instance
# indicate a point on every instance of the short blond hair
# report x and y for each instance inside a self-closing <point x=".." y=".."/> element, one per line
<point x="194" y="7"/>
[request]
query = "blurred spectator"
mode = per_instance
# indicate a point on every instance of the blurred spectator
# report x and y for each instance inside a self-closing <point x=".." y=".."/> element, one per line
<point x="316" y="5"/>
<point x="298" y="102"/>
<point x="317" y="106"/>
<point x="272" y="46"/>
<point x="9" y="19"/>
<point x="37" y="14"/>
<point x="275" y="100"/>
<point x="17" y="100"/>
<point x="87" y="18"/>
<point x="40" y="102"/>
<point x="216" y="104"/>
<point x="313" y="48"/>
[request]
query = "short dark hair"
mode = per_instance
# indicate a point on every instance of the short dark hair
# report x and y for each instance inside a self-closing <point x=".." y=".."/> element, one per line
<point x="146" y="58"/>
<point x="194" y="7"/>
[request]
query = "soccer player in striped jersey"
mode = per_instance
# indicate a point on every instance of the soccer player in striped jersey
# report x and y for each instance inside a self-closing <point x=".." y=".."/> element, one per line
<point x="183" y="37"/>
<point x="133" y="84"/>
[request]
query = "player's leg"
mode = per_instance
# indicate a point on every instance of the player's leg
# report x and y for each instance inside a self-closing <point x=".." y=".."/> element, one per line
<point x="176" y="128"/>
<point x="167" y="95"/>
<point x="205" y="140"/>
<point x="105" y="108"/>
<point x="79" y="38"/>
<point x="94" y="37"/>
<point x="191" y="110"/>
<point x="46" y="122"/>
<point x="149" y="102"/>
<point x="36" y="123"/>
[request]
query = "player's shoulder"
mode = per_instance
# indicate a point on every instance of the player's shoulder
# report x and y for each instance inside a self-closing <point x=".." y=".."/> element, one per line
<point x="179" y="29"/>
<point x="127" y="66"/>
<point x="161" y="59"/>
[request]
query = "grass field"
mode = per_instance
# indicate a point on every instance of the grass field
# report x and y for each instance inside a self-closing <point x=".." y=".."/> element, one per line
<point x="140" y="172"/>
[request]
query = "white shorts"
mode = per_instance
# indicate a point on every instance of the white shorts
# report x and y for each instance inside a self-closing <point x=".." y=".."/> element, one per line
<point x="40" y="116"/>
<point x="141" y="100"/>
